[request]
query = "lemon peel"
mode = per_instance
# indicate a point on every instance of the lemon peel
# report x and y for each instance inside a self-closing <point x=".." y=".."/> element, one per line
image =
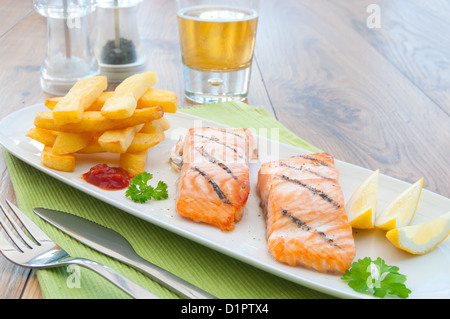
<point x="362" y="206"/>
<point x="421" y="238"/>
<point x="402" y="209"/>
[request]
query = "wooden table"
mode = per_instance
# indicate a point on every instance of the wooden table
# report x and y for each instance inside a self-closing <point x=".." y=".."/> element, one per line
<point x="374" y="97"/>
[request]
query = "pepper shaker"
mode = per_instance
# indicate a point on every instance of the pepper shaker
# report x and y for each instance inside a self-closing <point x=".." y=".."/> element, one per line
<point x="69" y="56"/>
<point x="118" y="46"/>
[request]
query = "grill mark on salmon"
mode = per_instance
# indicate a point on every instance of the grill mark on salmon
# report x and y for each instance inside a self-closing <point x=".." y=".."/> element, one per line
<point x="313" y="159"/>
<point x="216" y="140"/>
<point x="296" y="220"/>
<point x="214" y="160"/>
<point x="306" y="227"/>
<point x="228" y="132"/>
<point x="302" y="167"/>
<point x="315" y="191"/>
<point x="303" y="204"/>
<point x="214" y="185"/>
<point x="214" y="182"/>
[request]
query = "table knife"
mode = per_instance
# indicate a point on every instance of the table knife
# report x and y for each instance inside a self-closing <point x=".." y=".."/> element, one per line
<point x="111" y="243"/>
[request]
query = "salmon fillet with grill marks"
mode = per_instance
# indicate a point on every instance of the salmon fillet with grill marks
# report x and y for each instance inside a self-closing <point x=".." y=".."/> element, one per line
<point x="305" y="213"/>
<point x="214" y="180"/>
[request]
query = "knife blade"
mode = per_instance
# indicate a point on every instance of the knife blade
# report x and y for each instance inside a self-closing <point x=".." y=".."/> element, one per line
<point x="111" y="243"/>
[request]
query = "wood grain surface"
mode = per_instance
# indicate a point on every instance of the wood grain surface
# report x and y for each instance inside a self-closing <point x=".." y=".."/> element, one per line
<point x="374" y="97"/>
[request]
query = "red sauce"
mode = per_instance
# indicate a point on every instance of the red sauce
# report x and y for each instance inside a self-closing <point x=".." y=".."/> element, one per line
<point x="106" y="177"/>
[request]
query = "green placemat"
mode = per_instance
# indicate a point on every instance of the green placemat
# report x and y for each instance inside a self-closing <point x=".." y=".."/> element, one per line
<point x="220" y="275"/>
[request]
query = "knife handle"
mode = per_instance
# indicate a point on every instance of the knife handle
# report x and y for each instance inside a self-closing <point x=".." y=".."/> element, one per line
<point x="175" y="284"/>
<point x="128" y="286"/>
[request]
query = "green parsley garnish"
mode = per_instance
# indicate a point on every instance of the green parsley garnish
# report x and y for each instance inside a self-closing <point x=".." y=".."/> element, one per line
<point x="140" y="191"/>
<point x="377" y="278"/>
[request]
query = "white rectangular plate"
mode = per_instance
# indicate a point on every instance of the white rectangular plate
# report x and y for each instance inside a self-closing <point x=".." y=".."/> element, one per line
<point x="428" y="276"/>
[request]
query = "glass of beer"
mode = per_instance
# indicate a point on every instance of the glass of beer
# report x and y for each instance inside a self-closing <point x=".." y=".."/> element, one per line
<point x="217" y="39"/>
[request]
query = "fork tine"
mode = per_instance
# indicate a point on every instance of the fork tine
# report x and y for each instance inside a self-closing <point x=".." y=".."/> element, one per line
<point x="4" y="244"/>
<point x="17" y="228"/>
<point x="6" y="248"/>
<point x="30" y="226"/>
<point x="3" y="241"/>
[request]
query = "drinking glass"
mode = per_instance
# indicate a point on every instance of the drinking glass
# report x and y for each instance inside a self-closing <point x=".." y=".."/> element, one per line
<point x="217" y="39"/>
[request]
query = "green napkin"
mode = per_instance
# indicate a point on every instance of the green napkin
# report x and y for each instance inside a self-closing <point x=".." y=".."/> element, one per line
<point x="220" y="275"/>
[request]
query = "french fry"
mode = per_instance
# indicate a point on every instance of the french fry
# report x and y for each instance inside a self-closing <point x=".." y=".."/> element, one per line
<point x="95" y="106"/>
<point x="70" y="108"/>
<point x="93" y="121"/>
<point x="44" y="136"/>
<point x="100" y="101"/>
<point x="168" y="100"/>
<point x="156" y="126"/>
<point x="68" y="143"/>
<point x="52" y="101"/>
<point x="65" y="163"/>
<point x="143" y="141"/>
<point x="152" y="97"/>
<point x="133" y="163"/>
<point x="92" y="148"/>
<point x="127" y="121"/>
<point x="123" y="102"/>
<point x="118" y="141"/>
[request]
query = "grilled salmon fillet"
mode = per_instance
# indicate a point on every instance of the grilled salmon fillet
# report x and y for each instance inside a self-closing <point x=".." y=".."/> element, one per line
<point x="306" y="223"/>
<point x="214" y="179"/>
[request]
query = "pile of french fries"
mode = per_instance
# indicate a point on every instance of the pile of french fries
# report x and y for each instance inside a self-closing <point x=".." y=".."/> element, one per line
<point x="127" y="121"/>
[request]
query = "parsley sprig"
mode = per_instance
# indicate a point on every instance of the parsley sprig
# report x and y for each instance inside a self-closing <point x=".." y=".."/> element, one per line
<point x="377" y="278"/>
<point x="140" y="191"/>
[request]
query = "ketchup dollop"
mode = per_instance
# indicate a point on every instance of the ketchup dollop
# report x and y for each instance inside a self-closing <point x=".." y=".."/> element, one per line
<point x="108" y="178"/>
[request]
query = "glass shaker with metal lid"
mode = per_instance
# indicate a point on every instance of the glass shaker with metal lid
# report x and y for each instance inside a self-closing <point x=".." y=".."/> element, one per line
<point x="69" y="56"/>
<point x="118" y="45"/>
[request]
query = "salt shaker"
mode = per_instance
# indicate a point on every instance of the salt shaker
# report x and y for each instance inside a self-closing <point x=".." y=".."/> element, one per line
<point x="118" y="45"/>
<point x="69" y="56"/>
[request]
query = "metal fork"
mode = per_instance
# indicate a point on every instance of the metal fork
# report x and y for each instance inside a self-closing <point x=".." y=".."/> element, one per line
<point x="45" y="253"/>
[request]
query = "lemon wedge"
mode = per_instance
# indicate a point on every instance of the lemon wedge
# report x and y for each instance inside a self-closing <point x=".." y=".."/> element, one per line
<point x="401" y="210"/>
<point x="362" y="206"/>
<point x="421" y="238"/>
